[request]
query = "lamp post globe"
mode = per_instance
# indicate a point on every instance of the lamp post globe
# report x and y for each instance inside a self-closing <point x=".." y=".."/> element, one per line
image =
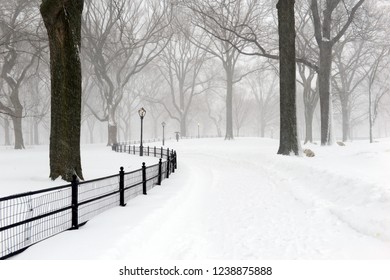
<point x="163" y="137"/>
<point x="141" y="113"/>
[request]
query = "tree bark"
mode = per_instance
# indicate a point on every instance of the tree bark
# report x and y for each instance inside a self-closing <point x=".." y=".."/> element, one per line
<point x="324" y="90"/>
<point x="309" y="113"/>
<point x="288" y="120"/>
<point x="346" y="121"/>
<point x="183" y="126"/>
<point x="19" y="142"/>
<point x="112" y="134"/>
<point x="229" y="104"/>
<point x="7" y="140"/>
<point x="62" y="20"/>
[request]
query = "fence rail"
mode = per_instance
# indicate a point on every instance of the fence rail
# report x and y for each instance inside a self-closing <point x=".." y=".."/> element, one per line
<point x="155" y="140"/>
<point x="28" y="218"/>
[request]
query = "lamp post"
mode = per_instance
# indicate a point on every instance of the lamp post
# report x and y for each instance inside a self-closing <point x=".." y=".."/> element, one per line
<point x="141" y="113"/>
<point x="163" y="126"/>
<point x="198" y="131"/>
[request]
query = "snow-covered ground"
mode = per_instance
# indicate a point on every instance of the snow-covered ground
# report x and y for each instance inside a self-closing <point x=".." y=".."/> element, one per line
<point x="229" y="200"/>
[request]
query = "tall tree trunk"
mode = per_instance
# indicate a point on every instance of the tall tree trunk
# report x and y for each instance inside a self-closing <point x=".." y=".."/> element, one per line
<point x="7" y="140"/>
<point x="17" y="123"/>
<point x="345" y="120"/>
<point x="183" y="126"/>
<point x="229" y="104"/>
<point x="288" y="119"/>
<point x="112" y="134"/>
<point x="324" y="90"/>
<point x="36" y="133"/>
<point x="370" y="117"/>
<point x="309" y="114"/>
<point x="112" y="126"/>
<point x="62" y="19"/>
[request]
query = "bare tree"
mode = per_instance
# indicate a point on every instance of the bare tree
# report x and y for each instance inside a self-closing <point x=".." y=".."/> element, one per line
<point x="375" y="94"/>
<point x="326" y="42"/>
<point x="20" y="54"/>
<point x="264" y="88"/>
<point x="212" y="18"/>
<point x="347" y="79"/>
<point x="310" y="98"/>
<point x="242" y="110"/>
<point x="122" y="38"/>
<point x="213" y="112"/>
<point x="181" y="68"/>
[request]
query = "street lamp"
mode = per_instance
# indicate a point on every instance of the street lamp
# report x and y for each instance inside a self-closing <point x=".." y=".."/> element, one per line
<point x="141" y="113"/>
<point x="163" y="125"/>
<point x="198" y="131"/>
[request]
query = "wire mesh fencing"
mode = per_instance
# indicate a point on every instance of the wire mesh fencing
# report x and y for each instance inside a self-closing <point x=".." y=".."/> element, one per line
<point x="28" y="218"/>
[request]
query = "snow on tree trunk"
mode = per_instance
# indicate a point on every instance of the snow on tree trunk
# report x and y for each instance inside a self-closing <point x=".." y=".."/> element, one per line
<point x="62" y="20"/>
<point x="288" y="121"/>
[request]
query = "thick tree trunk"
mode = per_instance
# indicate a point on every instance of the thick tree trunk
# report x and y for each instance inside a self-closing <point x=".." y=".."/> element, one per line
<point x="345" y="120"/>
<point x="229" y="104"/>
<point x="7" y="140"/>
<point x="17" y="123"/>
<point x="309" y="113"/>
<point x="288" y="120"/>
<point x="112" y="134"/>
<point x="36" y="133"/>
<point x="62" y="19"/>
<point x="324" y="90"/>
<point x="183" y="126"/>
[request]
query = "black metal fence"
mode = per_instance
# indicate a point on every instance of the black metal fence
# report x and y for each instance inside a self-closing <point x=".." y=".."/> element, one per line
<point x="28" y="218"/>
<point x="154" y="140"/>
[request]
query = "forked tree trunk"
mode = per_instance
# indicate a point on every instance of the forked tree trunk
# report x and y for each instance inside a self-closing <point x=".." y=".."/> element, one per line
<point x="62" y="19"/>
<point x="288" y="120"/>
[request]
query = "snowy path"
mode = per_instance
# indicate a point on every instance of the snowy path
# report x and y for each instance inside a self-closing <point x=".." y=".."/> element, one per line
<point x="227" y="201"/>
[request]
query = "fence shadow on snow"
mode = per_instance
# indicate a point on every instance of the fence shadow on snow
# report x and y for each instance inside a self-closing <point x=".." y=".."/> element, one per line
<point x="28" y="218"/>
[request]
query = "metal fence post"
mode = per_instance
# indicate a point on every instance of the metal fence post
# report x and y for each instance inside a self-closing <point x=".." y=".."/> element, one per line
<point x="168" y="165"/>
<point x="122" y="187"/>
<point x="129" y="149"/>
<point x="173" y="162"/>
<point x="75" y="203"/>
<point x="144" y="178"/>
<point x="154" y="150"/>
<point x="159" y="172"/>
<point x="162" y="152"/>
<point x="148" y="150"/>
